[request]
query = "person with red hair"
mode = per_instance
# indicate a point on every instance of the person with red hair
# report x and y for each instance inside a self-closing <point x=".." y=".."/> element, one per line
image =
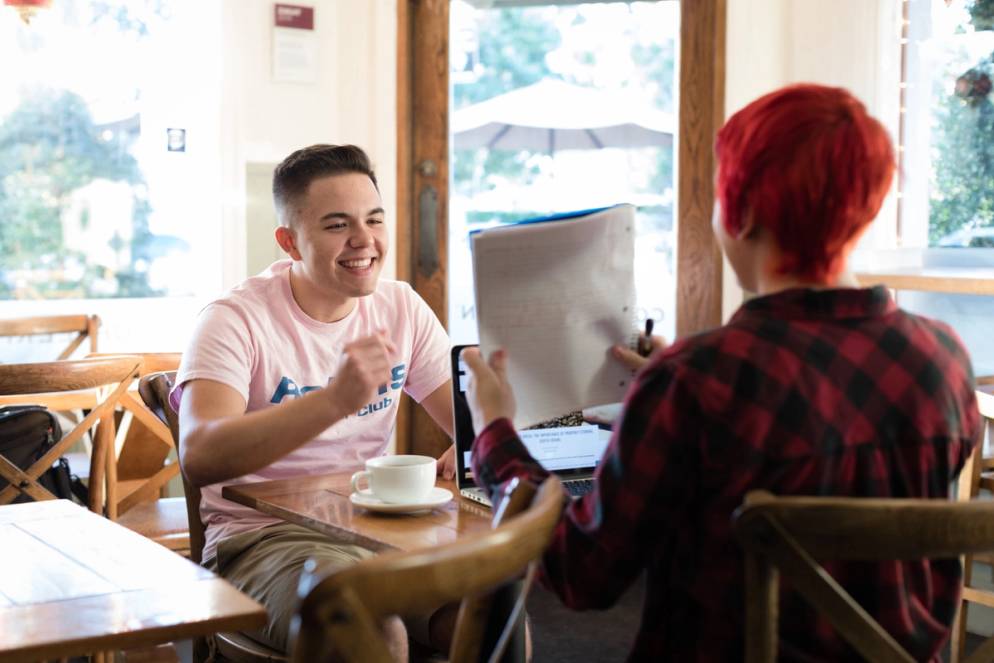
<point x="807" y="167"/>
<point x="813" y="387"/>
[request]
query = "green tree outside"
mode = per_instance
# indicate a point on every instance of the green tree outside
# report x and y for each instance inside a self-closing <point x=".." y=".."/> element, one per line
<point x="962" y="192"/>
<point x="51" y="148"/>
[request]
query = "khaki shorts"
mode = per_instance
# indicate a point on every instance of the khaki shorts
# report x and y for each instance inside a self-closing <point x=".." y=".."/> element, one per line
<point x="266" y="564"/>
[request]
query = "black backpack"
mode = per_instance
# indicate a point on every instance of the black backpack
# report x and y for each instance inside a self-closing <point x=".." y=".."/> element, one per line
<point x="27" y="432"/>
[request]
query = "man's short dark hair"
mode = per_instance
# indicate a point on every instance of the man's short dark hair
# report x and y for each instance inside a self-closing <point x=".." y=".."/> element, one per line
<point x="292" y="177"/>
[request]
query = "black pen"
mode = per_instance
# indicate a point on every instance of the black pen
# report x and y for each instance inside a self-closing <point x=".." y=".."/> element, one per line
<point x="645" y="342"/>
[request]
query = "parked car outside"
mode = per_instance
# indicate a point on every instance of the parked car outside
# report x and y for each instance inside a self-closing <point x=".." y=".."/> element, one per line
<point x="978" y="238"/>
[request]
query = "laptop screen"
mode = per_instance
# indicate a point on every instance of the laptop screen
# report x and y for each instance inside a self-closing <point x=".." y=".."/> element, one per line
<point x="567" y="446"/>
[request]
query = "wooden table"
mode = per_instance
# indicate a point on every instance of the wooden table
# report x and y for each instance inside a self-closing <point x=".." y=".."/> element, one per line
<point x="73" y="583"/>
<point x="322" y="503"/>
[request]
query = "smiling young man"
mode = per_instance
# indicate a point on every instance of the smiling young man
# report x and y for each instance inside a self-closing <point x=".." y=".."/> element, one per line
<point x="299" y="370"/>
<point x="813" y="387"/>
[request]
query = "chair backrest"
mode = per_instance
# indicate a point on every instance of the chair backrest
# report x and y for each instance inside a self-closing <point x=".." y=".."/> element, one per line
<point x="140" y="469"/>
<point x="786" y="535"/>
<point x="94" y="384"/>
<point x="977" y="474"/>
<point x="85" y="326"/>
<point x="154" y="389"/>
<point x="340" y="611"/>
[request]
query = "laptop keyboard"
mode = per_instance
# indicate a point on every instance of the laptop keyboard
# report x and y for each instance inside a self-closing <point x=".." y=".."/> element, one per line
<point x="579" y="487"/>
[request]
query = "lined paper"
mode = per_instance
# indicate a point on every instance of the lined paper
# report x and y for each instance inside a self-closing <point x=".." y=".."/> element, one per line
<point x="557" y="295"/>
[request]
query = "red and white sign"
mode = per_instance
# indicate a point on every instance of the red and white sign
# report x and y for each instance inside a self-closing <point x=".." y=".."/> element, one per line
<point x="295" y="44"/>
<point x="294" y="16"/>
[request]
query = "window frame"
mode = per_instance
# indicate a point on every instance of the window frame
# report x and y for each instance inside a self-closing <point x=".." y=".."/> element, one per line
<point x="423" y="171"/>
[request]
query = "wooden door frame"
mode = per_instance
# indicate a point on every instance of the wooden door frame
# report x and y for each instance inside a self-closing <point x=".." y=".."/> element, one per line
<point x="701" y="114"/>
<point x="422" y="137"/>
<point x="422" y="163"/>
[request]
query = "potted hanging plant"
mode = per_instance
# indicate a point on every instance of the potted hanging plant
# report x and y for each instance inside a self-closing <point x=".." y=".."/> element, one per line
<point x="973" y="86"/>
<point x="982" y="14"/>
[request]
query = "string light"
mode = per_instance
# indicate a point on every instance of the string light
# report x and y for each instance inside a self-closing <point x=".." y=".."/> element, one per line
<point x="903" y="30"/>
<point x="28" y="8"/>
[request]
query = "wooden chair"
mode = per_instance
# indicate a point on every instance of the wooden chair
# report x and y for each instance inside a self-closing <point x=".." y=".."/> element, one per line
<point x="977" y="475"/>
<point x="340" y="612"/>
<point x="787" y="535"/>
<point x="154" y="388"/>
<point x="139" y="471"/>
<point x="85" y="326"/>
<point x="103" y="380"/>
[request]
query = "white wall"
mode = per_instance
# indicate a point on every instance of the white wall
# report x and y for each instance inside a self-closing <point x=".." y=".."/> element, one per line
<point x="849" y="43"/>
<point x="353" y="101"/>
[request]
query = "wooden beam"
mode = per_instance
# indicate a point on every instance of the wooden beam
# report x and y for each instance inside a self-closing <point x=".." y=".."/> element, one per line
<point x="702" y="112"/>
<point x="422" y="182"/>
<point x="405" y="184"/>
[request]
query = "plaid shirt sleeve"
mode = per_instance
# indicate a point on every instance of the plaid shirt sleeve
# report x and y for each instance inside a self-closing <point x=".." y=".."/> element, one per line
<point x="642" y="485"/>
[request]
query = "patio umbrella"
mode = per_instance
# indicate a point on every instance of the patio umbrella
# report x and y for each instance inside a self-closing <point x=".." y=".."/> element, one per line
<point x="554" y="115"/>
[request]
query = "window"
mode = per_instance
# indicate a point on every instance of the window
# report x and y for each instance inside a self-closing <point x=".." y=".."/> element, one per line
<point x="109" y="164"/>
<point x="563" y="107"/>
<point x="948" y="134"/>
<point x="944" y="263"/>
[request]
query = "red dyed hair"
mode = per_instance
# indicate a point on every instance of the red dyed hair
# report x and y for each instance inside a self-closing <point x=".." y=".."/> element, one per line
<point x="812" y="166"/>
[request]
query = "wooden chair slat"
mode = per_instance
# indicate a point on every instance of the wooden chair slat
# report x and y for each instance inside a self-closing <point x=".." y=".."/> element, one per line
<point x="980" y="596"/>
<point x="103" y="441"/>
<point x="130" y="402"/>
<point x="85" y="326"/>
<point x="43" y="324"/>
<point x="73" y="344"/>
<point x="830" y="528"/>
<point x="145" y="490"/>
<point x="25" y="483"/>
<point x="42" y="377"/>
<point x="82" y="399"/>
<point x="762" y="609"/>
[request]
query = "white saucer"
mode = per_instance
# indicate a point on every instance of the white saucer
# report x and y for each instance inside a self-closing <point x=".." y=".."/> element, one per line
<point x="366" y="499"/>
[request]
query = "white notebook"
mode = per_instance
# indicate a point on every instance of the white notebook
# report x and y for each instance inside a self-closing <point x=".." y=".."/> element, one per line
<point x="557" y="293"/>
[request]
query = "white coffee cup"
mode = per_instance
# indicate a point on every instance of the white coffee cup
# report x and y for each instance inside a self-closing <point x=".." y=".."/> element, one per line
<point x="403" y="479"/>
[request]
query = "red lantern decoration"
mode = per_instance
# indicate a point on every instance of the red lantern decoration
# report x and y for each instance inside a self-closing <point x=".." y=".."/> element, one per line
<point x="28" y="8"/>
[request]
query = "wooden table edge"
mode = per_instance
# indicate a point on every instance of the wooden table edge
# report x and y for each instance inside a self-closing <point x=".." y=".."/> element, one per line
<point x="254" y="616"/>
<point x="233" y="494"/>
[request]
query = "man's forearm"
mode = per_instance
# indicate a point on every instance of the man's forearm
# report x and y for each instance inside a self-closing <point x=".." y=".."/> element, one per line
<point x="222" y="449"/>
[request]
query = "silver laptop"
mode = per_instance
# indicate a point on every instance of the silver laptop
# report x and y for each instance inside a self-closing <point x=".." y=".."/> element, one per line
<point x="569" y="451"/>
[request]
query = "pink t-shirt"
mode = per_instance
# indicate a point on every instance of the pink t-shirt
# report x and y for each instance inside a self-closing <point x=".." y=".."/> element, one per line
<point x="258" y="341"/>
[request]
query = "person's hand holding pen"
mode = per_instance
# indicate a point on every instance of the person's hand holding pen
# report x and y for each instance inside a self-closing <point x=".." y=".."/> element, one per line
<point x="645" y="340"/>
<point x="648" y="345"/>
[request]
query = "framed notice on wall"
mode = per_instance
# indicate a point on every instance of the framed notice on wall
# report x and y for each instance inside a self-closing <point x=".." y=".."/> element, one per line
<point x="295" y="46"/>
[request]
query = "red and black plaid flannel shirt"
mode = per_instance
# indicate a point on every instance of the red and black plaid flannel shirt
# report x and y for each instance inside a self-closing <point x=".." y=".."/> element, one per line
<point x="834" y="392"/>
